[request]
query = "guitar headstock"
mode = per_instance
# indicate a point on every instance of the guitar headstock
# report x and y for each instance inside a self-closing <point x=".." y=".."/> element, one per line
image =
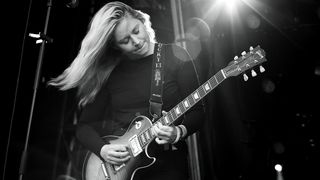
<point x="246" y="61"/>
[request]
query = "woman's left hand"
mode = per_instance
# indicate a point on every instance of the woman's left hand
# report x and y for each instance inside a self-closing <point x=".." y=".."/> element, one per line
<point x="165" y="134"/>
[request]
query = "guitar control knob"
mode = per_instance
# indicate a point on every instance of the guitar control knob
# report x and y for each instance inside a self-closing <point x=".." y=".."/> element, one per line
<point x="253" y="73"/>
<point x="262" y="69"/>
<point x="245" y="77"/>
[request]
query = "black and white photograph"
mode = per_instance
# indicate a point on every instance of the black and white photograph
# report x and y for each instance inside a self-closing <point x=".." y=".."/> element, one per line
<point x="161" y="90"/>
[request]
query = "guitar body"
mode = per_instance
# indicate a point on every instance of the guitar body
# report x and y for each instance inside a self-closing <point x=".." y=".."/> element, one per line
<point x="93" y="167"/>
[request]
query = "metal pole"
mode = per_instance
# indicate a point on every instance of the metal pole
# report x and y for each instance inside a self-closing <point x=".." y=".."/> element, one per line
<point x="191" y="140"/>
<point x="35" y="87"/>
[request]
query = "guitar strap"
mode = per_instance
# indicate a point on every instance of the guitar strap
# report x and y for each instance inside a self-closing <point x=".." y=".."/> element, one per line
<point x="157" y="80"/>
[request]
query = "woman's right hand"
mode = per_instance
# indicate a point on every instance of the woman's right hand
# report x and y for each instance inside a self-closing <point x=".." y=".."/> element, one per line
<point x="116" y="154"/>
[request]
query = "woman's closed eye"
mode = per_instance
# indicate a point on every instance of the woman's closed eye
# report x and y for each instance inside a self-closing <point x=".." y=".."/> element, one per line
<point x="135" y="30"/>
<point x="124" y="40"/>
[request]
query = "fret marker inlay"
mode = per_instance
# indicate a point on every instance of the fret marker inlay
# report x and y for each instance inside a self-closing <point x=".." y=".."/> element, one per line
<point x="186" y="103"/>
<point x="177" y="110"/>
<point x="147" y="135"/>
<point x="196" y="96"/>
<point x="207" y="87"/>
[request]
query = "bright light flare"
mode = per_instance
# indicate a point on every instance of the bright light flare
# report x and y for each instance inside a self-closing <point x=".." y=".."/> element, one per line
<point x="230" y="5"/>
<point x="278" y="167"/>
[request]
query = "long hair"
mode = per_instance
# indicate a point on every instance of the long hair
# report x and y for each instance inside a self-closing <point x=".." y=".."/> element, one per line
<point x="97" y="57"/>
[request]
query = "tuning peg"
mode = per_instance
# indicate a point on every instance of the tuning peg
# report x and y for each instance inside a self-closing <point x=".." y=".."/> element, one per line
<point x="243" y="53"/>
<point x="253" y="73"/>
<point x="235" y="58"/>
<point x="251" y="48"/>
<point x="245" y="77"/>
<point x="262" y="69"/>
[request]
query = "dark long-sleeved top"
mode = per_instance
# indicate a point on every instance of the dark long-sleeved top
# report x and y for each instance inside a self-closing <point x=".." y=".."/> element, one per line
<point x="127" y="93"/>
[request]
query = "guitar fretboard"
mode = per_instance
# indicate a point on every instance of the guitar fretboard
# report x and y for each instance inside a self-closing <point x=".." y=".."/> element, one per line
<point x="147" y="136"/>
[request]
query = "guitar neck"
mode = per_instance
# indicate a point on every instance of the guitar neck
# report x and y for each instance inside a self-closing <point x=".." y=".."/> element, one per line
<point x="147" y="136"/>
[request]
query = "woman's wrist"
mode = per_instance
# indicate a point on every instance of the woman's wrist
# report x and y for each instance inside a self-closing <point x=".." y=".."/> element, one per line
<point x="183" y="131"/>
<point x="178" y="134"/>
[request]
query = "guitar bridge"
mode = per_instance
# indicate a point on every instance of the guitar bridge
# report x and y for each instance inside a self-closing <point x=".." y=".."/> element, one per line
<point x="117" y="168"/>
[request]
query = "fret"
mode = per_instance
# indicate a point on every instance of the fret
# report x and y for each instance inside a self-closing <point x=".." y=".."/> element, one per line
<point x="170" y="117"/>
<point x="186" y="104"/>
<point x="146" y="136"/>
<point x="196" y="96"/>
<point x="201" y="91"/>
<point x="159" y="122"/>
<point x="183" y="109"/>
<point x="140" y="140"/>
<point x="223" y="74"/>
<point x="191" y="100"/>
<point x="143" y="139"/>
<point x="220" y="76"/>
<point x="173" y="114"/>
<point x="166" y="119"/>
<point x="207" y="87"/>
<point x="149" y="134"/>
<point x="162" y="121"/>
<point x="177" y="110"/>
<point x="213" y="81"/>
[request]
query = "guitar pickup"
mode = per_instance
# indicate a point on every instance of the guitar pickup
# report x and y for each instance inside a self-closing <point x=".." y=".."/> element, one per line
<point x="135" y="146"/>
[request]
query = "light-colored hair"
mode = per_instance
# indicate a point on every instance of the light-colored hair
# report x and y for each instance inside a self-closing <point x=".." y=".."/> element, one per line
<point x="97" y="56"/>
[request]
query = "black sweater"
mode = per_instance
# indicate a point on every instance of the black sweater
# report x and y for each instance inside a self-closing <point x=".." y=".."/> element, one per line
<point x="127" y="93"/>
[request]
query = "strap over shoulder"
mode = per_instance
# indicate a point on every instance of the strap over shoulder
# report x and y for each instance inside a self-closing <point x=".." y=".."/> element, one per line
<point x="157" y="81"/>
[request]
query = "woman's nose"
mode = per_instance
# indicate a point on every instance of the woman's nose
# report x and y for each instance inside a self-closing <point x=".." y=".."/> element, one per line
<point x="135" y="40"/>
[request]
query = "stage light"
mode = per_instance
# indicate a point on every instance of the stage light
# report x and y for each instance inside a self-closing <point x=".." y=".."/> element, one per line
<point x="278" y="167"/>
<point x="196" y="31"/>
<point x="230" y="5"/>
<point x="198" y="28"/>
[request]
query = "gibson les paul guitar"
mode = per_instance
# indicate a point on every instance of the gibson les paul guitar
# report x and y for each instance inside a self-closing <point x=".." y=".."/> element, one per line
<point x="139" y="135"/>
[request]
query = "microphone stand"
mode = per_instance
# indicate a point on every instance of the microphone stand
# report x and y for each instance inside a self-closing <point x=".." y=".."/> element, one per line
<point x="44" y="38"/>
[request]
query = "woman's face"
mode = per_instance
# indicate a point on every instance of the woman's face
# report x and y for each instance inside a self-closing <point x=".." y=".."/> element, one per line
<point x="132" y="38"/>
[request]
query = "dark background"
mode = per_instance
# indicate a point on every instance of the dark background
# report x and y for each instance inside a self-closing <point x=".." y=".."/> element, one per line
<point x="250" y="126"/>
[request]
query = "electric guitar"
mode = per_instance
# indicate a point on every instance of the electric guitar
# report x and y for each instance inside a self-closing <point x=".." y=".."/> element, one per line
<point x="139" y="135"/>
